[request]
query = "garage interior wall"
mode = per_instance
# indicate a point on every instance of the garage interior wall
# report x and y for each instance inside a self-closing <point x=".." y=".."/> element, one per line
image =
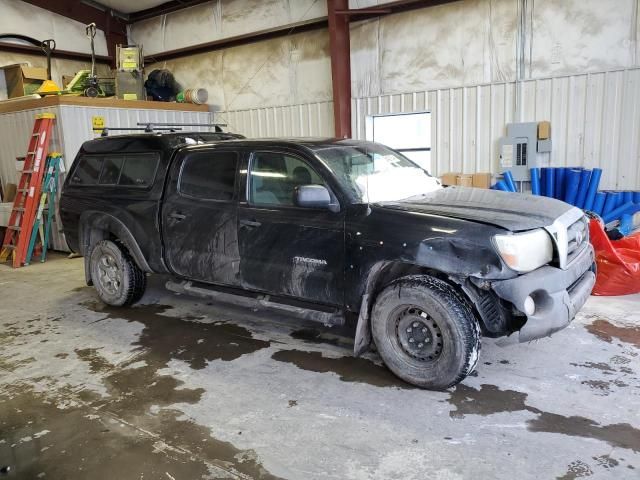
<point x="68" y="34"/>
<point x="475" y="64"/>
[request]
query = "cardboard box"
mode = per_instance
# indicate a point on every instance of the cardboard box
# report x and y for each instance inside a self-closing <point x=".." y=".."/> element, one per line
<point x="481" y="180"/>
<point x="464" y="180"/>
<point x="449" y="178"/>
<point x="544" y="130"/>
<point x="22" y="79"/>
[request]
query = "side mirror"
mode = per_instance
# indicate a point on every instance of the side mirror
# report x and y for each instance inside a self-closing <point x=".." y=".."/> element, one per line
<point x="312" y="196"/>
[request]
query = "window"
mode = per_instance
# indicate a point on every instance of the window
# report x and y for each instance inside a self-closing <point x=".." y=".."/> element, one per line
<point x="408" y="133"/>
<point x="87" y="171"/>
<point x="209" y="175"/>
<point x="133" y="170"/>
<point x="274" y="177"/>
<point x="138" y="170"/>
<point x="111" y="170"/>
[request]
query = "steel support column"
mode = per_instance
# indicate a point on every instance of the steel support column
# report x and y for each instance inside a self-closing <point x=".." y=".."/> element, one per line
<point x="340" y="49"/>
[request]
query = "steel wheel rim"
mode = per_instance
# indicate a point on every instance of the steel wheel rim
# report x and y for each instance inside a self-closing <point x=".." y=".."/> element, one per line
<point x="109" y="274"/>
<point x="418" y="335"/>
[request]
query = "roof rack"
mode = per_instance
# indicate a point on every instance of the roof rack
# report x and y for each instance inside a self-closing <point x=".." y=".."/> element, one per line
<point x="105" y="130"/>
<point x="153" y="125"/>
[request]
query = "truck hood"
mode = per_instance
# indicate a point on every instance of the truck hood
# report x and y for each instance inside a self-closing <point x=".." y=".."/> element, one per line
<point x="511" y="211"/>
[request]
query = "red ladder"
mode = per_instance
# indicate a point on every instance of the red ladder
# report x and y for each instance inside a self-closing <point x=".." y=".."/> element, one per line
<point x="25" y="205"/>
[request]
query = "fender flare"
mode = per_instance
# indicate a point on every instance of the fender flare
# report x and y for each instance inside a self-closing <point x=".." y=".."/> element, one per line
<point x="93" y="227"/>
<point x="362" y="339"/>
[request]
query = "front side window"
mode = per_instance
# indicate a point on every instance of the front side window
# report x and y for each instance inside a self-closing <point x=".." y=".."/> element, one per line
<point x="374" y="173"/>
<point x="209" y="175"/>
<point x="274" y="177"/>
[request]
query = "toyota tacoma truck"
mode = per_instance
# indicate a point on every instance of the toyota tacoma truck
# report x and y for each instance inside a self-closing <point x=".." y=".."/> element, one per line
<point x="334" y="230"/>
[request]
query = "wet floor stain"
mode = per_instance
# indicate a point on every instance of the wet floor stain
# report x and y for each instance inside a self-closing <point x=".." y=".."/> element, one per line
<point x="604" y="367"/>
<point x="310" y="335"/>
<point x="607" y="331"/>
<point x="604" y="387"/>
<point x="183" y="338"/>
<point x="488" y="400"/>
<point x="350" y="369"/>
<point x="576" y="469"/>
<point x="135" y="386"/>
<point x="39" y="440"/>
<point x="620" y="435"/>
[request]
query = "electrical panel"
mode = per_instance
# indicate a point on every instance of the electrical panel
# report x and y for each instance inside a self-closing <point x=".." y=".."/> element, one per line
<point x="520" y="148"/>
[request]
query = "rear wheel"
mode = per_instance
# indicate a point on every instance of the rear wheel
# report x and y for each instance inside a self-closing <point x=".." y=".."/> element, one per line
<point x="425" y="333"/>
<point x="116" y="277"/>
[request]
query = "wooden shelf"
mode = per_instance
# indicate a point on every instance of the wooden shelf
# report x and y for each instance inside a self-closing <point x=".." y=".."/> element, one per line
<point x="14" y="105"/>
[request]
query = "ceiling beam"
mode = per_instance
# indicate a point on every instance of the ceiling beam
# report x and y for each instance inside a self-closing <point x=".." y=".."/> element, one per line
<point x="163" y="9"/>
<point x="306" y="26"/>
<point x="114" y="28"/>
<point x="65" y="54"/>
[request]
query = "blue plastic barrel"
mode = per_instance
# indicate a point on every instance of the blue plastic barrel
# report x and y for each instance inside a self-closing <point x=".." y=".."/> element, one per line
<point x="627" y="196"/>
<point x="535" y="180"/>
<point x="636" y="197"/>
<point x="583" y="187"/>
<point x="508" y="179"/>
<point x="559" y="181"/>
<point x="609" y="203"/>
<point x="572" y="182"/>
<point x="548" y="178"/>
<point x="598" y="203"/>
<point x="628" y="208"/>
<point x="593" y="188"/>
<point x="501" y="185"/>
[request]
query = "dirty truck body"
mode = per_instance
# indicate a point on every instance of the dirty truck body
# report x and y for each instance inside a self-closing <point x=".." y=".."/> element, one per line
<point x="333" y="230"/>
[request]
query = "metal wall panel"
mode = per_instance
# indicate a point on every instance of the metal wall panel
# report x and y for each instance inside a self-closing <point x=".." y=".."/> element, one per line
<point x="595" y="121"/>
<point x="72" y="128"/>
<point x="305" y="120"/>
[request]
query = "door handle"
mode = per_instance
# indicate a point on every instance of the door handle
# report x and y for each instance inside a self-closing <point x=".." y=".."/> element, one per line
<point x="249" y="223"/>
<point x="177" y="216"/>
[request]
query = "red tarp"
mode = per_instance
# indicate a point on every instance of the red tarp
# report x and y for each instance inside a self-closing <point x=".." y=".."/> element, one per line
<point x="618" y="262"/>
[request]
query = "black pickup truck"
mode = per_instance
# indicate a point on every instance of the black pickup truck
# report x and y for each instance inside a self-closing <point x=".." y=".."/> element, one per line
<point x="334" y="230"/>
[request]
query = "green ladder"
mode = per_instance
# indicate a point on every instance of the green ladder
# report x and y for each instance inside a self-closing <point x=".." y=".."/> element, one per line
<point x="48" y="203"/>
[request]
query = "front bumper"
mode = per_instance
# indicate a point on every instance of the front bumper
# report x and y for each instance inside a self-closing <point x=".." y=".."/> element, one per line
<point x="558" y="294"/>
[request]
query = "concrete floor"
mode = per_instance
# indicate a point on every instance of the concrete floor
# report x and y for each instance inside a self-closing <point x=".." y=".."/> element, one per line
<point x="180" y="389"/>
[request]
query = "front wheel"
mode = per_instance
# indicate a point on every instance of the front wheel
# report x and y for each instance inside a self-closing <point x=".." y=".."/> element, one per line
<point x="116" y="277"/>
<point x="424" y="333"/>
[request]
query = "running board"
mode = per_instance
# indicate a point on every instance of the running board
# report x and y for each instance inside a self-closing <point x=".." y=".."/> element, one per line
<point x="331" y="318"/>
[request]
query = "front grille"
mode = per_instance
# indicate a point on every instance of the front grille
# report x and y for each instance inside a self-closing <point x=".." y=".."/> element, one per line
<point x="577" y="238"/>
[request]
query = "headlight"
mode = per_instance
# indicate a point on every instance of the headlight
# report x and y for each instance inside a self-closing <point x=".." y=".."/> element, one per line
<point x="527" y="251"/>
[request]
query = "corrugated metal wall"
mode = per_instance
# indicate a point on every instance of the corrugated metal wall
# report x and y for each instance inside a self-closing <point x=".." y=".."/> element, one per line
<point x="595" y="121"/>
<point x="310" y="119"/>
<point x="73" y="127"/>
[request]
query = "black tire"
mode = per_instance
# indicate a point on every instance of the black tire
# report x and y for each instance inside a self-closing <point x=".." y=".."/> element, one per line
<point x="115" y="275"/>
<point x="425" y="333"/>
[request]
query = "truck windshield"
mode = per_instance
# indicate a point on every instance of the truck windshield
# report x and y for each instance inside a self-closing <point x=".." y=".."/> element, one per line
<point x="374" y="173"/>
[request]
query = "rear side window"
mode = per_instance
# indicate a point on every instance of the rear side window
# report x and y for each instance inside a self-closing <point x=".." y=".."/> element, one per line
<point x="111" y="170"/>
<point x="138" y="170"/>
<point x="209" y="175"/>
<point x="133" y="170"/>
<point x="87" y="171"/>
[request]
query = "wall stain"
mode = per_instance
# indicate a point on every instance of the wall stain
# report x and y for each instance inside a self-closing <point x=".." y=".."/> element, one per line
<point x="606" y="331"/>
<point x="349" y="369"/>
